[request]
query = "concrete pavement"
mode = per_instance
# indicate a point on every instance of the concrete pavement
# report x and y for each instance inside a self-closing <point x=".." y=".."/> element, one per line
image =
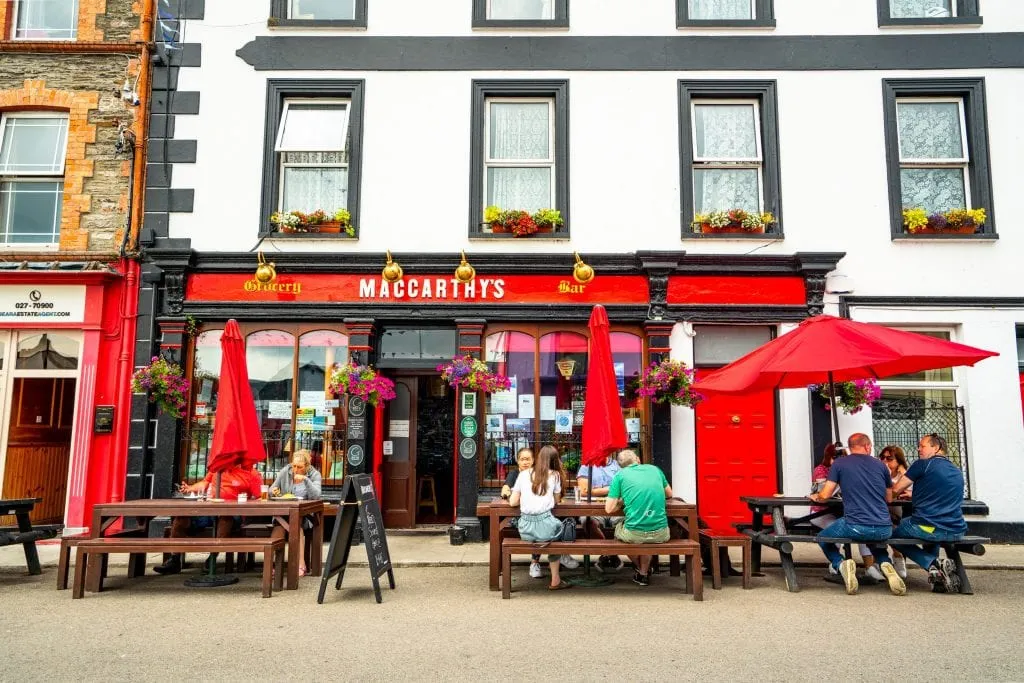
<point x="441" y="623"/>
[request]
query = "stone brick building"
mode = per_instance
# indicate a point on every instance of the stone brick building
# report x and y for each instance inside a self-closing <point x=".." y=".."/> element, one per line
<point x="74" y="79"/>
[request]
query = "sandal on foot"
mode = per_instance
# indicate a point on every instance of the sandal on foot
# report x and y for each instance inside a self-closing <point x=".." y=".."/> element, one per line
<point x="303" y="571"/>
<point x="560" y="586"/>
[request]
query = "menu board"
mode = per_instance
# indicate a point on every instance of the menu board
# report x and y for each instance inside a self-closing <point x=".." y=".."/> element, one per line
<point x="358" y="501"/>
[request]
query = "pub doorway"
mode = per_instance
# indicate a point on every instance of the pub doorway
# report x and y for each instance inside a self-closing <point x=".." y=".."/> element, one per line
<point x="419" y="440"/>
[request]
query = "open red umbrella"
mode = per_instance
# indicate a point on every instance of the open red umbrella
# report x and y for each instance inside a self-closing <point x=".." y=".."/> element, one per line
<point x="604" y="430"/>
<point x="237" y="439"/>
<point x="829" y="349"/>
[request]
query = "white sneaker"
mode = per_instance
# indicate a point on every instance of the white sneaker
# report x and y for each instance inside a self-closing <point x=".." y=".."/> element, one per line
<point x="848" y="570"/>
<point x="900" y="564"/>
<point x="535" y="571"/>
<point x="896" y="585"/>
<point x="874" y="573"/>
<point x="569" y="562"/>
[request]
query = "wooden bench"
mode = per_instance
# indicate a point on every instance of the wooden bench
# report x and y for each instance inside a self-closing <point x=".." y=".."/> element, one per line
<point x="272" y="549"/>
<point x="136" y="563"/>
<point x="598" y="546"/>
<point x="715" y="541"/>
<point x="973" y="545"/>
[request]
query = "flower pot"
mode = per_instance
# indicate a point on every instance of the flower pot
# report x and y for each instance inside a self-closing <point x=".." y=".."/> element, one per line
<point x="545" y="228"/>
<point x="456" y="535"/>
<point x="961" y="230"/>
<point x="706" y="229"/>
<point x="329" y="226"/>
<point x="496" y="228"/>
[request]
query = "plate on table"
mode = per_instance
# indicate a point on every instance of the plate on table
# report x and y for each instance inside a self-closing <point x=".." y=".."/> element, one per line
<point x="283" y="498"/>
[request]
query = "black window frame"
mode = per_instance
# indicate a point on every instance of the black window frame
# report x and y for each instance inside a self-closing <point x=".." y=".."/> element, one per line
<point x="979" y="169"/>
<point x="281" y="89"/>
<point x="764" y="11"/>
<point x="766" y="92"/>
<point x="967" y="14"/>
<point x="556" y="89"/>
<point x="561" y="19"/>
<point x="279" y="17"/>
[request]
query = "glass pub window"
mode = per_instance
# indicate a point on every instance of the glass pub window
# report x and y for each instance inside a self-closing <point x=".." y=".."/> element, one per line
<point x="32" y="151"/>
<point x="520" y="9"/>
<point x="727" y="156"/>
<point x="933" y="153"/>
<point x="721" y="9"/>
<point x="312" y="148"/>
<point x="519" y="158"/>
<point x="322" y="9"/>
<point x="45" y="19"/>
<point x="930" y="9"/>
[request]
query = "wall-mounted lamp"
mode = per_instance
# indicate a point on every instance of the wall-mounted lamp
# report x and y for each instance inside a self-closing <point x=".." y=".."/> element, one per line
<point x="392" y="271"/>
<point x="581" y="272"/>
<point x="465" y="272"/>
<point x="265" y="272"/>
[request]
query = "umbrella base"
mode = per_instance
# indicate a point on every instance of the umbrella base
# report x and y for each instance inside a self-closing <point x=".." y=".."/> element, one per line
<point x="210" y="581"/>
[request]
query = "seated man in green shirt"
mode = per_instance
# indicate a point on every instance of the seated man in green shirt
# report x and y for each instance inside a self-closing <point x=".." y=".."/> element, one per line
<point x="640" y="492"/>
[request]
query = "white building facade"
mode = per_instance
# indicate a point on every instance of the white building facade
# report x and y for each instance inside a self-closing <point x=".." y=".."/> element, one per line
<point x="628" y="119"/>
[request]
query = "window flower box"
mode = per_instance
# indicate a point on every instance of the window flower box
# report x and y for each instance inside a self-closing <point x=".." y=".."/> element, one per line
<point x="732" y="221"/>
<point x="521" y="223"/>
<point x="317" y="221"/>
<point x="917" y="221"/>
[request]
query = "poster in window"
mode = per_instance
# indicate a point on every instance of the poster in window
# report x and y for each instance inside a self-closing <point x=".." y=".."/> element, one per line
<point x="526" y="409"/>
<point x="563" y="422"/>
<point x="547" y="407"/>
<point x="506" y="401"/>
<point x="620" y="377"/>
<point x="495" y="423"/>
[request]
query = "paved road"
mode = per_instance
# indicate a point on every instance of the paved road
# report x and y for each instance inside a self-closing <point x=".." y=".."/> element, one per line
<point x="443" y="624"/>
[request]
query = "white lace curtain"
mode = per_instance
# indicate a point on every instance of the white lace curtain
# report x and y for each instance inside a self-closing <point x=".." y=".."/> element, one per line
<point x="721" y="9"/>
<point x="726" y="134"/>
<point x="310" y="188"/>
<point x="519" y="133"/>
<point x="903" y="9"/>
<point x="47" y="19"/>
<point x="931" y="131"/>
<point x="521" y="9"/>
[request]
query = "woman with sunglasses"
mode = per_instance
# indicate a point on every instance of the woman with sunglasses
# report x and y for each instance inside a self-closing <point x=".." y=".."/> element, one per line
<point x="896" y="460"/>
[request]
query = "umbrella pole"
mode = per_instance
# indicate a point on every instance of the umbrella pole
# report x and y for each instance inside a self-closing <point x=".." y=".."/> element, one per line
<point x="835" y="414"/>
<point x="211" y="579"/>
<point x="587" y="581"/>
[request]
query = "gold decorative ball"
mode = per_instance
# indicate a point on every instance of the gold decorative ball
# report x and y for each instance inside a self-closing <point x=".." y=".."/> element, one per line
<point x="392" y="272"/>
<point x="465" y="272"/>
<point x="582" y="273"/>
<point x="265" y="273"/>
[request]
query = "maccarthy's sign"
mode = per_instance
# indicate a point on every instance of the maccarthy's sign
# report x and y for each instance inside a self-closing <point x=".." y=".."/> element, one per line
<point x="419" y="289"/>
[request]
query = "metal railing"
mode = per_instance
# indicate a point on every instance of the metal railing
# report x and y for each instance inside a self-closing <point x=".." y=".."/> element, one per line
<point x="902" y="422"/>
<point x="500" y="448"/>
<point x="326" y="448"/>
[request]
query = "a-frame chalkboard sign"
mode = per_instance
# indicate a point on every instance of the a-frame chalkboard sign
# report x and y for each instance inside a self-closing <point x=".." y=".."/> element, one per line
<point x="358" y="501"/>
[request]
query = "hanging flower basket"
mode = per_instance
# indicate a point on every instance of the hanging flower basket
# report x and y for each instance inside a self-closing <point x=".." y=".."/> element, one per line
<point x="668" y="382"/>
<point x="473" y="374"/>
<point x="852" y="397"/>
<point x="362" y="381"/>
<point x="164" y="384"/>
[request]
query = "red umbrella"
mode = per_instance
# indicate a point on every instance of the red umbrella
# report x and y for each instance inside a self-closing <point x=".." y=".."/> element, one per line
<point x="829" y="349"/>
<point x="237" y="439"/>
<point x="604" y="430"/>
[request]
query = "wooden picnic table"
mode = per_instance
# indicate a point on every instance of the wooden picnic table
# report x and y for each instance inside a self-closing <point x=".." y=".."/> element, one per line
<point x="25" y="534"/>
<point x="499" y="512"/>
<point x="786" y="531"/>
<point x="288" y="513"/>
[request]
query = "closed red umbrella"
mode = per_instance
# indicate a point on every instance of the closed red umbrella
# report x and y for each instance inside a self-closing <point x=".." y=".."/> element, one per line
<point x="237" y="439"/>
<point x="604" y="430"/>
<point x="829" y="349"/>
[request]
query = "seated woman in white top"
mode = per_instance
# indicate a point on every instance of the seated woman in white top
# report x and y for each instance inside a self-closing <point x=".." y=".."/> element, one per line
<point x="534" y="494"/>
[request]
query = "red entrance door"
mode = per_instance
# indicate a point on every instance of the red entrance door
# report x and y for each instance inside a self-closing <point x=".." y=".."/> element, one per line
<point x="735" y="455"/>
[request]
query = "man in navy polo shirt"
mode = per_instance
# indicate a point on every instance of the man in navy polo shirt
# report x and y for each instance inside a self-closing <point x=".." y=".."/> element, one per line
<point x="938" y="511"/>
<point x="867" y="491"/>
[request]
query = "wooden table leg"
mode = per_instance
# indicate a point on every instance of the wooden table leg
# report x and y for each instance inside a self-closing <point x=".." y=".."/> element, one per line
<point x="747" y="547"/>
<point x="294" y="557"/>
<point x="716" y="567"/>
<point x="788" y="566"/>
<point x="317" y="551"/>
<point x="495" y="541"/>
<point x="31" y="554"/>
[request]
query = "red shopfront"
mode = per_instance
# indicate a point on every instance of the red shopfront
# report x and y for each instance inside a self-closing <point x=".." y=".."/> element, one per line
<point x="65" y="366"/>
<point x="431" y="450"/>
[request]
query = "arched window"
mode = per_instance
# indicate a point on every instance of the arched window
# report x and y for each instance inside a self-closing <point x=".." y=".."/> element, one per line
<point x="270" y="355"/>
<point x="513" y="354"/>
